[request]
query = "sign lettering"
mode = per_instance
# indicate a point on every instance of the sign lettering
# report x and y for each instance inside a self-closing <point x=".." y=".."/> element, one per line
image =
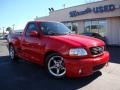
<point x="99" y="9"/>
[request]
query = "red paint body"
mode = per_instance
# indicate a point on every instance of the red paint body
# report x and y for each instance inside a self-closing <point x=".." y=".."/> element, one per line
<point x="35" y="49"/>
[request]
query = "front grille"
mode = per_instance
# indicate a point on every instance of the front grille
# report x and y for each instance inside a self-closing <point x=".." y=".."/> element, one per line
<point x="98" y="67"/>
<point x="97" y="50"/>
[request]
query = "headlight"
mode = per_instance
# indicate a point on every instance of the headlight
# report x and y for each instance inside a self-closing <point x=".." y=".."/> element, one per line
<point x="78" y="52"/>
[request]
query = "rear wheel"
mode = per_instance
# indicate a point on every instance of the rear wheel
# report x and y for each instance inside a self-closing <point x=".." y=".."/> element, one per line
<point x="55" y="65"/>
<point x="12" y="53"/>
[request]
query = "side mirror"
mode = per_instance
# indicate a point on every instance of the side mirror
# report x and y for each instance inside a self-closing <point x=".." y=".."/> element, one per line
<point x="34" y="33"/>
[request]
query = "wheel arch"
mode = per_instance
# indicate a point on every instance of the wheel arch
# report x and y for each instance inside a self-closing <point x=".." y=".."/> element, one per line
<point x="49" y="53"/>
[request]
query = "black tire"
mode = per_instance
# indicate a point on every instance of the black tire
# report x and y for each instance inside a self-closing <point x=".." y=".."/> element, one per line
<point x="12" y="54"/>
<point x="55" y="66"/>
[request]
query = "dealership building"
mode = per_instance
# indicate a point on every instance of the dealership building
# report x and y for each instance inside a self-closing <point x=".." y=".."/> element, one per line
<point x="102" y="17"/>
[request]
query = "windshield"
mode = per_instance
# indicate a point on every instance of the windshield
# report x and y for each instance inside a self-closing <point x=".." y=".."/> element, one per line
<point x="54" y="28"/>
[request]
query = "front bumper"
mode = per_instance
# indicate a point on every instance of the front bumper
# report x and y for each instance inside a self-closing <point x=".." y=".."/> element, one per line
<point x="86" y="66"/>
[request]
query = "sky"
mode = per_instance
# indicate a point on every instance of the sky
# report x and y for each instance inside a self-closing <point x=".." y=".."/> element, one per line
<point x="19" y="12"/>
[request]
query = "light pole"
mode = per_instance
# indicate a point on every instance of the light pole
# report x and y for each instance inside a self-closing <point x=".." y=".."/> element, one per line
<point x="13" y="26"/>
<point x="0" y="30"/>
<point x="64" y="6"/>
<point x="3" y="30"/>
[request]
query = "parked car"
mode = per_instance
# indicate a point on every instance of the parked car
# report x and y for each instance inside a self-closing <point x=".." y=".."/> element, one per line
<point x="62" y="53"/>
<point x="95" y="35"/>
<point x="5" y="37"/>
<point x="1" y="37"/>
<point x="15" y="32"/>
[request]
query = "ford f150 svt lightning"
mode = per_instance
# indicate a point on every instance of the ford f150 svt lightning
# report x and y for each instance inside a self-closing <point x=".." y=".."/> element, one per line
<point x="62" y="53"/>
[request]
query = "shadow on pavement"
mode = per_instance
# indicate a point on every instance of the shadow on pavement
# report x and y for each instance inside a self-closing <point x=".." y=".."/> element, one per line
<point x="114" y="54"/>
<point x="27" y="76"/>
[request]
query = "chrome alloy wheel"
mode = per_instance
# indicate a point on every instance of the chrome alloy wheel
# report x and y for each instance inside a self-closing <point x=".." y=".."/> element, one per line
<point x="56" y="66"/>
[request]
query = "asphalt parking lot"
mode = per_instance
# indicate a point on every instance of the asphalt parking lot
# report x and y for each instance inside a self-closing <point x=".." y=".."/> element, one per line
<point x="27" y="76"/>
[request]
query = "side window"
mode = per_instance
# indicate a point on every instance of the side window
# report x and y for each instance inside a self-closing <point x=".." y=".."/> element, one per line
<point x="31" y="27"/>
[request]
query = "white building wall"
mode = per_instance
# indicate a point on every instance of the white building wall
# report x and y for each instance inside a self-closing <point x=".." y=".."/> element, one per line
<point x="113" y="30"/>
<point x="63" y="14"/>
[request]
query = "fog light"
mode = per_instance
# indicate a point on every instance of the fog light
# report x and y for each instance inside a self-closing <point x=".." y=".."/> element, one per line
<point x="80" y="71"/>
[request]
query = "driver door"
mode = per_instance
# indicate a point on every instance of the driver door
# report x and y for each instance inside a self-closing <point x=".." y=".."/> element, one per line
<point x="31" y="46"/>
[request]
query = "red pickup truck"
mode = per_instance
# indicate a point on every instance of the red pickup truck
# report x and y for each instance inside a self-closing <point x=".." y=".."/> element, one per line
<point x="62" y="53"/>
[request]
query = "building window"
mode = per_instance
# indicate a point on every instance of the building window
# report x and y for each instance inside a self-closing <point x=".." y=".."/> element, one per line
<point x="97" y="26"/>
<point x="72" y="26"/>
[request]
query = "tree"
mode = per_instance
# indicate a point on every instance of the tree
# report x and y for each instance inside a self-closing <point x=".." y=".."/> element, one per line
<point x="8" y="29"/>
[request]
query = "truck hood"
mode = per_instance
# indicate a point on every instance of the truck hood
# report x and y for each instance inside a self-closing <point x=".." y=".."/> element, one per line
<point x="79" y="40"/>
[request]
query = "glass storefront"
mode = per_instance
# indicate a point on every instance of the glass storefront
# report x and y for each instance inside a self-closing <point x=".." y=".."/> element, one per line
<point x="97" y="26"/>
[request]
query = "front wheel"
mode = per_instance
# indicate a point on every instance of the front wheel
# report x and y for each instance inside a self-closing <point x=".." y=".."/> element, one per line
<point x="55" y="65"/>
